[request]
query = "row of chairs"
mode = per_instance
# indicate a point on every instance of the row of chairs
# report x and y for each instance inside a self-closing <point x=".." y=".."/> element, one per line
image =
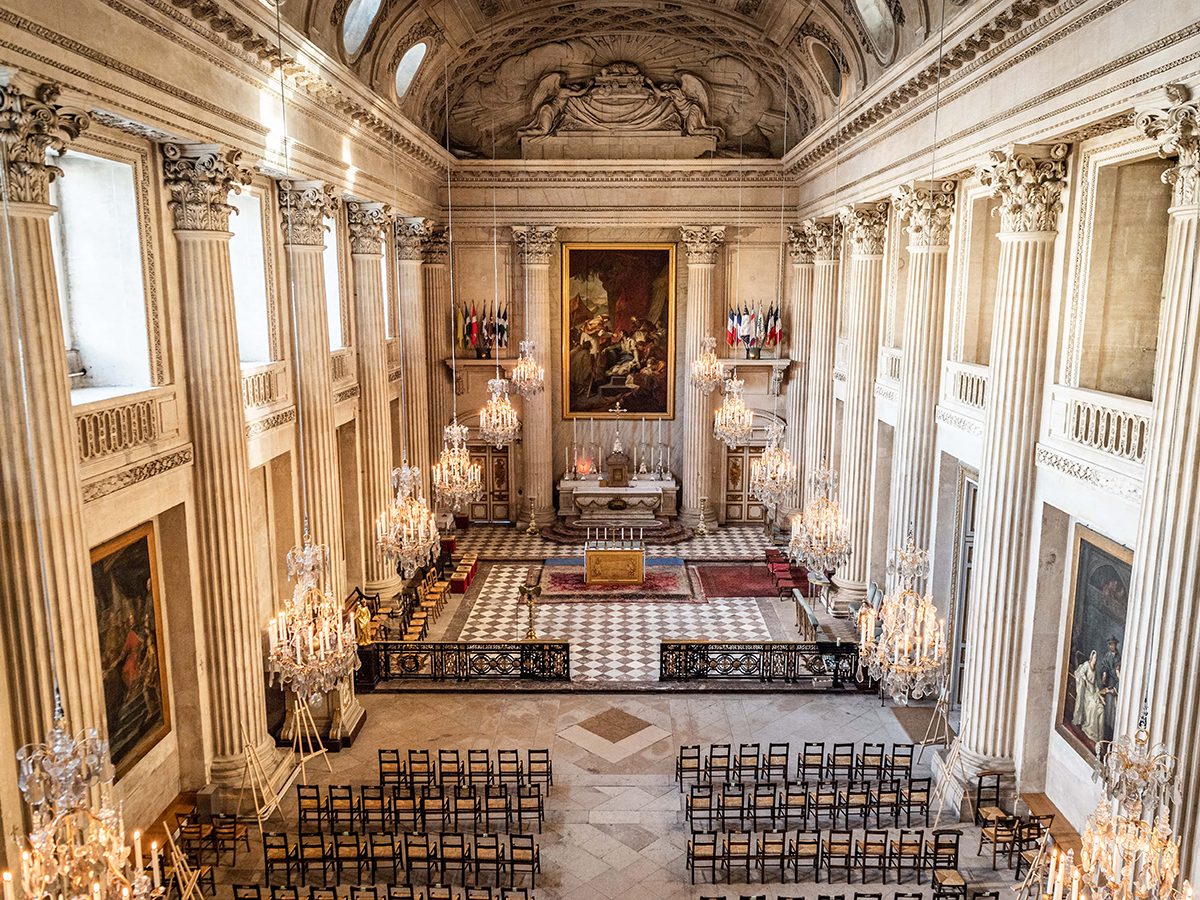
<point x="830" y="851"/>
<point x="338" y="854"/>
<point x="372" y="892"/>
<point x="392" y="808"/>
<point x="788" y="576"/>
<point x="813" y="763"/>
<point x="210" y="841"/>
<point x="796" y="801"/>
<point x="478" y="768"/>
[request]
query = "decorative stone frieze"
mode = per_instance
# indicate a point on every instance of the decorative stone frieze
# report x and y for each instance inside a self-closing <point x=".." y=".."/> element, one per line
<point x="535" y="243"/>
<point x="1177" y="131"/>
<point x="929" y="209"/>
<point x="199" y="178"/>
<point x="368" y="224"/>
<point x="702" y="242"/>
<point x="34" y="118"/>
<point x="304" y="206"/>
<point x="801" y="245"/>
<point x="435" y="246"/>
<point x="824" y="237"/>
<point x="866" y="227"/>
<point x="411" y="234"/>
<point x="1029" y="181"/>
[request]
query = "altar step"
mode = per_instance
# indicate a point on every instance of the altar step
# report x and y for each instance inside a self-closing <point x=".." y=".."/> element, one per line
<point x="566" y="531"/>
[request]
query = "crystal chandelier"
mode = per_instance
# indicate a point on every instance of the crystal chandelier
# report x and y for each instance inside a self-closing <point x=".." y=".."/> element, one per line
<point x="312" y="645"/>
<point x="908" y="651"/>
<point x="456" y="480"/>
<point x="733" y="422"/>
<point x="77" y="847"/>
<point x="527" y="378"/>
<point x="820" y="539"/>
<point x="408" y="534"/>
<point x="498" y="422"/>
<point x="707" y="370"/>
<point x="773" y="474"/>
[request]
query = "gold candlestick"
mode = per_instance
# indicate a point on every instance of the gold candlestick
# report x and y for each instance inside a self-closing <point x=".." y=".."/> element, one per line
<point x="701" y="528"/>
<point x="532" y="529"/>
<point x="530" y="635"/>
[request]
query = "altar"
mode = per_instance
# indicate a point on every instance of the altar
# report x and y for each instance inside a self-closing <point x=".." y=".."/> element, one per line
<point x="638" y="505"/>
<point x="614" y="561"/>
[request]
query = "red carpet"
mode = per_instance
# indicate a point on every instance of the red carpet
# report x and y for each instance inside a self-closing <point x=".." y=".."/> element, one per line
<point x="742" y="580"/>
<point x="663" y="584"/>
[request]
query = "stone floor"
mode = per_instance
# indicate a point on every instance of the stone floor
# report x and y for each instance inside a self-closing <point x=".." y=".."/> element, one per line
<point x="614" y="823"/>
<point x="507" y="542"/>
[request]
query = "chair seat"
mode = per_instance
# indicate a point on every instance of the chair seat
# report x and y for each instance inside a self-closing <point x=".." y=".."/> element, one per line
<point x="949" y="877"/>
<point x="990" y="813"/>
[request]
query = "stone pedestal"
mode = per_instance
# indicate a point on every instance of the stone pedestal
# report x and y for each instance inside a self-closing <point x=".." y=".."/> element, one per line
<point x="799" y="344"/>
<point x="410" y="235"/>
<point x="824" y="237"/>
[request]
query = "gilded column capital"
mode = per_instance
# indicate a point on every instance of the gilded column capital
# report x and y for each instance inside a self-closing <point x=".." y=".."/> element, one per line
<point x="701" y="243"/>
<point x="824" y="237"/>
<point x="35" y="118"/>
<point x="535" y="243"/>
<point x="866" y="227"/>
<point x="304" y="206"/>
<point x="410" y="237"/>
<point x="368" y="224"/>
<point x="800" y="245"/>
<point x="199" y="178"/>
<point x="929" y="208"/>
<point x="435" y="246"/>
<point x="1177" y="131"/>
<point x="1029" y="180"/>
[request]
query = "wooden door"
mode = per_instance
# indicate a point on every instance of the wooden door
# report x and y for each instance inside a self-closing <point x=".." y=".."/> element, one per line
<point x="741" y="507"/>
<point x="493" y="504"/>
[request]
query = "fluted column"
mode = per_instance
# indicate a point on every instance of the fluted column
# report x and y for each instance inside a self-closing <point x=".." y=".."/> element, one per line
<point x="535" y="245"/>
<point x="410" y="235"/>
<point x="1164" y="600"/>
<point x="701" y="243"/>
<point x="199" y="178"/>
<point x="304" y="205"/>
<point x="368" y="224"/>
<point x="39" y="482"/>
<point x="929" y="209"/>
<point x="866" y="229"/>
<point x="438" y="344"/>
<point x="1028" y="182"/>
<point x="824" y="236"/>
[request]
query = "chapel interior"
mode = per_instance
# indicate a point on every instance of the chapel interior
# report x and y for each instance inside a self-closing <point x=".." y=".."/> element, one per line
<point x="596" y="449"/>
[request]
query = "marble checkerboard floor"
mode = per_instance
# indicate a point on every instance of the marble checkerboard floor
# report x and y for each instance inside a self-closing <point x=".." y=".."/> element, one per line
<point x="506" y="542"/>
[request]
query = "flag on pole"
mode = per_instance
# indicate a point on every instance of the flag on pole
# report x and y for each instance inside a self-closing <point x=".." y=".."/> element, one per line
<point x="505" y="328"/>
<point x="474" y="325"/>
<point x="731" y="329"/>
<point x="744" y="325"/>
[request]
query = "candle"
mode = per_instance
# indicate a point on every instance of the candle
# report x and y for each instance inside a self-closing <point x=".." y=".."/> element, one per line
<point x="574" y="432"/>
<point x="1058" y="881"/>
<point x="1075" y="883"/>
<point x="8" y="886"/>
<point x="154" y="864"/>
<point x="137" y="850"/>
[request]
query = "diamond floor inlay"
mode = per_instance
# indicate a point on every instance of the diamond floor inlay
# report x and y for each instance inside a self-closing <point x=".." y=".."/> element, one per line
<point x="614" y="724"/>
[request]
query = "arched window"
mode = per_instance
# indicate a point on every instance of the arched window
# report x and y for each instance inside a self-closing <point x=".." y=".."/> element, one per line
<point x="357" y="23"/>
<point x="827" y="66"/>
<point x="407" y="70"/>
<point x="880" y="25"/>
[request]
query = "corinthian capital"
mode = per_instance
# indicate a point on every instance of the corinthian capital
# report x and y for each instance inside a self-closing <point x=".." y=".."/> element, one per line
<point x="824" y="236"/>
<point x="535" y="243"/>
<point x="701" y="243"/>
<point x="866" y="227"/>
<point x="368" y="224"/>
<point x="199" y="178"/>
<point x="33" y="119"/>
<point x="436" y="245"/>
<point x="410" y="237"/>
<point x="1177" y="131"/>
<point x="1029" y="181"/>
<point x="929" y="208"/>
<point x="800" y="245"/>
<point x="304" y="205"/>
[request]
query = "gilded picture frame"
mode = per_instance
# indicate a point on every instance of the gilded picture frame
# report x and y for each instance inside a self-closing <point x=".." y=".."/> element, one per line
<point x="132" y="655"/>
<point x="618" y="327"/>
<point x="1097" y="607"/>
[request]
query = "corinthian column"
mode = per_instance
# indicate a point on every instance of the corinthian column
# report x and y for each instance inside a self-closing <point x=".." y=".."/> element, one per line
<point x="304" y="206"/>
<point x="701" y="243"/>
<point x="1163" y="637"/>
<point x="866" y="228"/>
<point x="799" y="338"/>
<point x="824" y="237"/>
<point x="535" y="245"/>
<point x="39" y="483"/>
<point x="1029" y="182"/>
<point x="438" y="344"/>
<point x="199" y="178"/>
<point x="929" y="209"/>
<point x="410" y="235"/>
<point x="368" y="224"/>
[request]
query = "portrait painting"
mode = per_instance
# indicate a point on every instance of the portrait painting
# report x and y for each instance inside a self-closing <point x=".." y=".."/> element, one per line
<point x="618" y="330"/>
<point x="129" y="614"/>
<point x="1096" y="607"/>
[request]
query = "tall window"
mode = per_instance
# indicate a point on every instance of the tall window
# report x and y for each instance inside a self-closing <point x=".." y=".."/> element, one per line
<point x="880" y="26"/>
<point x="406" y="71"/>
<point x="357" y="24"/>
<point x="246" y="257"/>
<point x="98" y="257"/>
<point x="333" y="293"/>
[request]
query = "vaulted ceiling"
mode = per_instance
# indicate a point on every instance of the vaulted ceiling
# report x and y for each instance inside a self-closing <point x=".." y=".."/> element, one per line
<point x="485" y="58"/>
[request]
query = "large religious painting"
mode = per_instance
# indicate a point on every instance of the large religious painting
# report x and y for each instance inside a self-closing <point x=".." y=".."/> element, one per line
<point x="618" y="330"/>
<point x="129" y="612"/>
<point x="1096" y="607"/>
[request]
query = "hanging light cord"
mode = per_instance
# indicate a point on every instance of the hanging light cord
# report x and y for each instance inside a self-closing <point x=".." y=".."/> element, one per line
<point x="787" y="90"/>
<point x="495" y="267"/>
<point x="937" y="102"/>
<point x="450" y="248"/>
<point x="399" y="330"/>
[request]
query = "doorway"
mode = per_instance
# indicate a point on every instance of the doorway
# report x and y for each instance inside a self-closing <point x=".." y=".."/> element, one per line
<point x="494" y="503"/>
<point x="741" y="506"/>
<point x="964" y="570"/>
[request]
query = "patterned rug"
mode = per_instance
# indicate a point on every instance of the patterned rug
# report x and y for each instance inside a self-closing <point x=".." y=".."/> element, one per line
<point x="736" y="581"/>
<point x="662" y="584"/>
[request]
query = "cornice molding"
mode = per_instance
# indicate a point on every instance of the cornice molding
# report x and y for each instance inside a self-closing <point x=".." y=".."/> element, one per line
<point x="110" y="484"/>
<point x="1096" y="476"/>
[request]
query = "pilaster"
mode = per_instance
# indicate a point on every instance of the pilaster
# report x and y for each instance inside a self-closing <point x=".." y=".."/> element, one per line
<point x="438" y="345"/>
<point x="410" y="237"/>
<point x="800" y="247"/>
<point x="825" y="238"/>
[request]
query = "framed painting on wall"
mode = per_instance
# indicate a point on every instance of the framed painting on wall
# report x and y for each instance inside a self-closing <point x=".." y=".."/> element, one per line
<point x="1096" y="609"/>
<point x="132" y="660"/>
<point x="618" y="303"/>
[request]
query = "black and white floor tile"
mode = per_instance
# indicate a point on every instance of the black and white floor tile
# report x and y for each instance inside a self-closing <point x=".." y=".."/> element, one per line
<point x="506" y="542"/>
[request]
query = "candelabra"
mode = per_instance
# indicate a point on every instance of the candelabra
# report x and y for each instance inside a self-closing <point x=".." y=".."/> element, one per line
<point x="498" y="422"/>
<point x="733" y="422"/>
<point x="407" y="530"/>
<point x="908" y="648"/>
<point x="528" y="378"/>
<point x="707" y="370"/>
<point x="820" y="539"/>
<point x="773" y="474"/>
<point x="456" y="480"/>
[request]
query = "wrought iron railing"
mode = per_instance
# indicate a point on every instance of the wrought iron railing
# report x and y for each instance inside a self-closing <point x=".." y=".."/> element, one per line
<point x="826" y="664"/>
<point x="466" y="660"/>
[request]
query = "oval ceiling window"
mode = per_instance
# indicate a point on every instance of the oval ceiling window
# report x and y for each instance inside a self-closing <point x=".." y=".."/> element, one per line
<point x="407" y="70"/>
<point x="880" y="26"/>
<point x="357" y="23"/>
<point x="827" y="66"/>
